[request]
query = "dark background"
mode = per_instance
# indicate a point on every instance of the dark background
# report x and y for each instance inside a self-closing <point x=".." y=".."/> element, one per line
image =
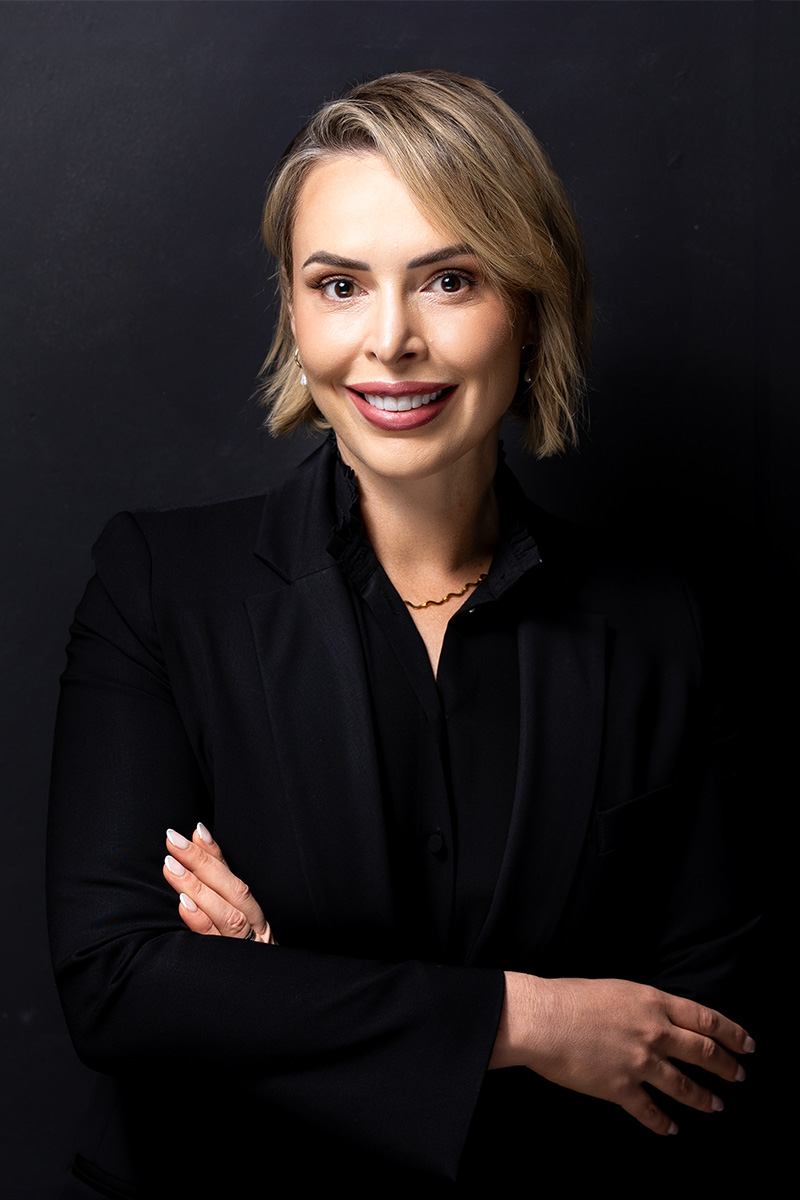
<point x="136" y="310"/>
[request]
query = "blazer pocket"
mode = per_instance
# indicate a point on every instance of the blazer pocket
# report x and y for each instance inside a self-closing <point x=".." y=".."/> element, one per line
<point x="637" y="821"/>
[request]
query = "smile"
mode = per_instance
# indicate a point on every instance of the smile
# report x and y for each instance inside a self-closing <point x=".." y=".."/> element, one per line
<point x="399" y="407"/>
<point x="401" y="403"/>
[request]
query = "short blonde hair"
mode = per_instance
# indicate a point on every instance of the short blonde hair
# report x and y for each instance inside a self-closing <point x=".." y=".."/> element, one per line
<point x="477" y="171"/>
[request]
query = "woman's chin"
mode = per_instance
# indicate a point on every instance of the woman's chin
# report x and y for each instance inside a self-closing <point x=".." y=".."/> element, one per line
<point x="399" y="459"/>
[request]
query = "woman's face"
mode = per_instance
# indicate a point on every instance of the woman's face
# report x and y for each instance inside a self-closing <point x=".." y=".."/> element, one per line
<point x="409" y="354"/>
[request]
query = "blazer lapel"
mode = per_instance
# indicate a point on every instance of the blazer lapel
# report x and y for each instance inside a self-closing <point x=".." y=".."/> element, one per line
<point x="315" y="684"/>
<point x="562" y="684"/>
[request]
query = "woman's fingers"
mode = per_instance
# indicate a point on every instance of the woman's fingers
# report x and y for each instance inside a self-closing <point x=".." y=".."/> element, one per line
<point x="212" y="872"/>
<point x="198" y="870"/>
<point x="641" y="1106"/>
<point x="702" y="1051"/>
<point x="193" y="917"/>
<point x="226" y="919"/>
<point x="711" y="1025"/>
<point x="670" y="1080"/>
<point x="212" y="912"/>
<point x="202" y="837"/>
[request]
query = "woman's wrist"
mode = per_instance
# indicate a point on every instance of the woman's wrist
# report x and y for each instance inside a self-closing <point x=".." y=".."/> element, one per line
<point x="523" y="1009"/>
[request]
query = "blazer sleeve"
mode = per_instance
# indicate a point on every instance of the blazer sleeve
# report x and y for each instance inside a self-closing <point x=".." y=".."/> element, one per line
<point x="388" y="1056"/>
<point x="711" y="929"/>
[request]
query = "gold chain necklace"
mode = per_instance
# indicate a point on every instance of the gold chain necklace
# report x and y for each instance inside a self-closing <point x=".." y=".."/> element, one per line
<point x="449" y="596"/>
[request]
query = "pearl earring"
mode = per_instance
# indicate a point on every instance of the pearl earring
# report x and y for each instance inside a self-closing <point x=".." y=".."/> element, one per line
<point x="303" y="380"/>
<point x="527" y="373"/>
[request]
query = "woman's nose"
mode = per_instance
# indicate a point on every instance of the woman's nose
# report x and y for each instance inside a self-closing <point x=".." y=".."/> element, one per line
<point x="394" y="332"/>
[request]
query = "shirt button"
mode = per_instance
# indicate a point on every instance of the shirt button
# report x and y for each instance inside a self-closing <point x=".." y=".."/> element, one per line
<point x="435" y="842"/>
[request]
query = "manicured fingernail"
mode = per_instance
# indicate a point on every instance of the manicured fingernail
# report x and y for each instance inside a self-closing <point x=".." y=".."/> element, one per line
<point x="204" y="834"/>
<point x="749" y="1045"/>
<point x="716" y="1104"/>
<point x="188" y="902"/>
<point x="740" y="1073"/>
<point x="173" y="865"/>
<point x="674" y="1128"/>
<point x="177" y="839"/>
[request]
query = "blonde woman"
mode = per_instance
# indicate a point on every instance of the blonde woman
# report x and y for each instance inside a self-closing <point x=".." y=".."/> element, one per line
<point x="464" y="757"/>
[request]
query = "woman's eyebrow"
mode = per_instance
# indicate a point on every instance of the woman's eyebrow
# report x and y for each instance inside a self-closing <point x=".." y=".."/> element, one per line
<point x="427" y="260"/>
<point x="334" y="260"/>
<point x="353" y="264"/>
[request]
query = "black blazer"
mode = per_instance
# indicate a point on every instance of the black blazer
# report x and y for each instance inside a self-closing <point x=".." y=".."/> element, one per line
<point x="215" y="673"/>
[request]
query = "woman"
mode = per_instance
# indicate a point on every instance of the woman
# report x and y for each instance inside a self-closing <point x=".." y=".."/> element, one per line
<point x="469" y="762"/>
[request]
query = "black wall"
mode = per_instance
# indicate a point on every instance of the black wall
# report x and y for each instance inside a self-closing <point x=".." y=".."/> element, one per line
<point x="136" y="310"/>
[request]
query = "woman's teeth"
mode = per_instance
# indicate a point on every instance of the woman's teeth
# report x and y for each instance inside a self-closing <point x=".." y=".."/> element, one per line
<point x="401" y="403"/>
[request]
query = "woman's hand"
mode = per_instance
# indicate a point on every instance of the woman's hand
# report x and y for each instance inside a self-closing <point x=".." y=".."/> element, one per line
<point x="212" y="899"/>
<point x="607" y="1037"/>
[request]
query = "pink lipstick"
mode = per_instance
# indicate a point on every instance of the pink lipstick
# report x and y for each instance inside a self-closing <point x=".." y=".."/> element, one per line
<point x="401" y="406"/>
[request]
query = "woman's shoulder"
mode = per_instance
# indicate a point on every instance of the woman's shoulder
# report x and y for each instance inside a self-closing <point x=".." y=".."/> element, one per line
<point x="597" y="565"/>
<point x="215" y="547"/>
<point x="606" y="568"/>
<point x="228" y="524"/>
<point x="187" y="526"/>
<point x="162" y="568"/>
<point x="181" y="545"/>
<point x="644" y="596"/>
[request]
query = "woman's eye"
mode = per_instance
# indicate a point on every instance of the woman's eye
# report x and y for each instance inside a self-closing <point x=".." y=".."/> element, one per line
<point x="338" y="289"/>
<point x="451" y="282"/>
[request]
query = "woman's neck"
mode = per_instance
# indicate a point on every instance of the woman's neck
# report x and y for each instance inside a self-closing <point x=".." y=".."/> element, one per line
<point x="433" y="535"/>
<point x="429" y="532"/>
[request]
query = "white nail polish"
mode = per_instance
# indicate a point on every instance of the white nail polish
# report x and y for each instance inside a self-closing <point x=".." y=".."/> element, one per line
<point x="177" y="839"/>
<point x="749" y="1045"/>
<point x="204" y="834"/>
<point x="673" y="1128"/>
<point x="740" y="1073"/>
<point x="188" y="902"/>
<point x="173" y="865"/>
<point x="717" y="1104"/>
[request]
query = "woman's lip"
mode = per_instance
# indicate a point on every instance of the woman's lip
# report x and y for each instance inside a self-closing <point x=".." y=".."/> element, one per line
<point x="409" y="387"/>
<point x="412" y="418"/>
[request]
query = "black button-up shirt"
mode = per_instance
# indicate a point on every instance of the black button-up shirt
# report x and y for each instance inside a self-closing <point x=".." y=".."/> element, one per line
<point x="447" y="745"/>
